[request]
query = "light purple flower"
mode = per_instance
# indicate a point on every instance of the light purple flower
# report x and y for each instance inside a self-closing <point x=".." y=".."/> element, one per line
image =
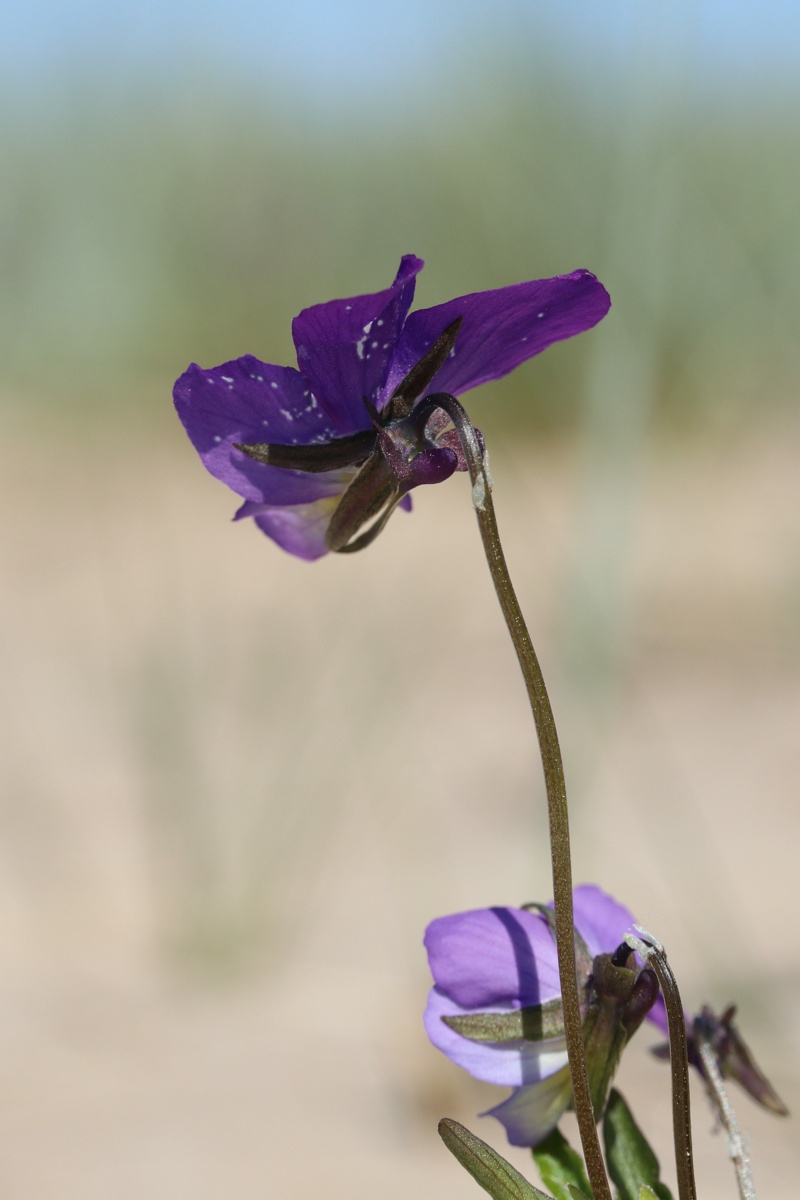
<point x="503" y="961"/>
<point x="346" y="413"/>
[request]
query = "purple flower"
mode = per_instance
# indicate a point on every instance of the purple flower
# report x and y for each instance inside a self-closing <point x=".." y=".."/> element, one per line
<point x="317" y="452"/>
<point x="495" y="1009"/>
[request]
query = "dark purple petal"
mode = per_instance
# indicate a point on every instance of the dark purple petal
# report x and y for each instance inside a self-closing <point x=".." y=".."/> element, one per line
<point x="511" y="1064"/>
<point x="599" y="919"/>
<point x="500" y="329"/>
<point x="298" y="528"/>
<point x="344" y="347"/>
<point x="493" y="955"/>
<point x="530" y="1113"/>
<point x="250" y="401"/>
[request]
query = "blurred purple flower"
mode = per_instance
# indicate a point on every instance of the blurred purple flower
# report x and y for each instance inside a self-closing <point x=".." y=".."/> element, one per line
<point x="292" y="442"/>
<point x="495" y="1009"/>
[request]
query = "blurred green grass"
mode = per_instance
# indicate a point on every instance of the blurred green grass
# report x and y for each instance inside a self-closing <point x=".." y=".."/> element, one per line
<point x="142" y="227"/>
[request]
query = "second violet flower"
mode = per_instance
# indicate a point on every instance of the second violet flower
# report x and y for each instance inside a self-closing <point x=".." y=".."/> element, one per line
<point x="495" y="1008"/>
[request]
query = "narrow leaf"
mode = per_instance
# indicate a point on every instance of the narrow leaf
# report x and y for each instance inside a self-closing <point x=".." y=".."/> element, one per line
<point x="485" y="1165"/>
<point x="632" y="1163"/>
<point x="560" y="1167"/>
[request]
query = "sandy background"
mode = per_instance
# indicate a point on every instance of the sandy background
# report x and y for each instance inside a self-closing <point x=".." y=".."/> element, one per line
<point x="236" y="787"/>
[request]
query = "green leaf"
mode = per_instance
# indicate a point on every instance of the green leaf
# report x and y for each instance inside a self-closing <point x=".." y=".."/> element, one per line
<point x="632" y="1164"/>
<point x="560" y="1167"/>
<point x="485" y="1165"/>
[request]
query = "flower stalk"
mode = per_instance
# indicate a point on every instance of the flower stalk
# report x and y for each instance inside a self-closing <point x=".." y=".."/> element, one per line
<point x="555" y="784"/>
<point x="653" y="952"/>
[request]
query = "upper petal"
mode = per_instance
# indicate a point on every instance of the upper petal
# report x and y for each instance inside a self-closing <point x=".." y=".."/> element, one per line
<point x="501" y="328"/>
<point x="344" y="347"/>
<point x="493" y="955"/>
<point x="601" y="921"/>
<point x="249" y="401"/>
<point x="512" y="1063"/>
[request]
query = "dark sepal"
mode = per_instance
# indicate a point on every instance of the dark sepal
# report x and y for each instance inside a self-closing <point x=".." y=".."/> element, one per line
<point x="330" y="456"/>
<point x="368" y="536"/>
<point x="421" y="374"/>
<point x="373" y="488"/>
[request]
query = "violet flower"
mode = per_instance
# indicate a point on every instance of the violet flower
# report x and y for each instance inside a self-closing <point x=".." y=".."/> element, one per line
<point x="495" y="1009"/>
<point x="319" y="451"/>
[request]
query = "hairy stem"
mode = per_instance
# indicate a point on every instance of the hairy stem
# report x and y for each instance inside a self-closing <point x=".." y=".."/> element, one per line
<point x="554" y="783"/>
<point x="722" y="1104"/>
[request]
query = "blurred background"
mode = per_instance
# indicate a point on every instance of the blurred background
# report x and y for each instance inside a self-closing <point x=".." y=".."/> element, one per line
<point x="236" y="787"/>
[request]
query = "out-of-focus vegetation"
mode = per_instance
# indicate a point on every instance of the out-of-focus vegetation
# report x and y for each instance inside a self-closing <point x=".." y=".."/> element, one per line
<point x="141" y="229"/>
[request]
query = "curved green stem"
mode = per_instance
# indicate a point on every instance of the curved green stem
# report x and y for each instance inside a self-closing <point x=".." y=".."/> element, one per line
<point x="555" y="784"/>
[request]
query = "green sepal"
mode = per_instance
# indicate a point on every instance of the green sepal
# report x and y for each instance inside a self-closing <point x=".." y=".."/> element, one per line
<point x="561" y="1168"/>
<point x="632" y="1164"/>
<point x="533" y="1023"/>
<point x="485" y="1165"/>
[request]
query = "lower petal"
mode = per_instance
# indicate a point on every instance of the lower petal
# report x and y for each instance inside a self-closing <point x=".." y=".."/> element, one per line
<point x="530" y="1113"/>
<point x="509" y="1064"/>
<point x="298" y="528"/>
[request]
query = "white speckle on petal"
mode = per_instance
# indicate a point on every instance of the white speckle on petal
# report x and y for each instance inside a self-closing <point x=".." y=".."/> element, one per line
<point x="260" y="378"/>
<point x="227" y="379"/>
<point x="348" y="307"/>
<point x="360" y="347"/>
<point x="285" y="413"/>
<point x="209" y="379"/>
<point x="374" y="345"/>
<point x="265" y="423"/>
<point x="540" y="314"/>
<point x="368" y="326"/>
<point x="386" y="345"/>
<point x="380" y="322"/>
<point x="217" y="438"/>
<point x="274" y="385"/>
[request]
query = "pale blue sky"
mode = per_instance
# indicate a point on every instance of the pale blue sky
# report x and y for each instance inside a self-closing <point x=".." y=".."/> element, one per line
<point x="376" y="49"/>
